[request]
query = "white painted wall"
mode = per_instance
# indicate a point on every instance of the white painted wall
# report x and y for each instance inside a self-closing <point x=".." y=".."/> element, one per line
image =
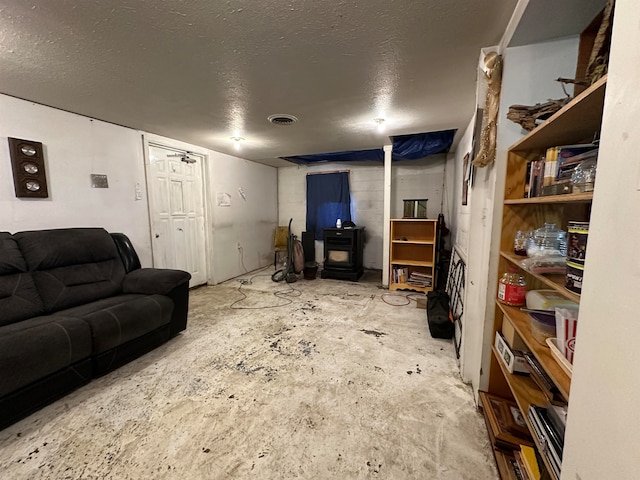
<point x="366" y="187"/>
<point x="459" y="226"/>
<point x="460" y="214"/>
<point x="75" y="147"/>
<point x="603" y="431"/>
<point x="250" y="220"/>
<point x="528" y="77"/>
<point x="419" y="179"/>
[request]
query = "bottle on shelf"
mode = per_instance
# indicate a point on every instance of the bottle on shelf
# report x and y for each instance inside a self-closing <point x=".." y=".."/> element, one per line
<point x="520" y="241"/>
<point x="512" y="288"/>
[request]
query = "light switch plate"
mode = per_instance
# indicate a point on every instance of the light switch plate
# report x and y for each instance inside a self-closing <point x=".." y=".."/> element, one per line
<point x="99" y="181"/>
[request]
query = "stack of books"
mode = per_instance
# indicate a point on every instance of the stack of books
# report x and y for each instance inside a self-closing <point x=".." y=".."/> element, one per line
<point x="551" y="174"/>
<point x="542" y="379"/>
<point x="526" y="464"/>
<point x="549" y="425"/>
<point x="400" y="274"/>
<point x="419" y="279"/>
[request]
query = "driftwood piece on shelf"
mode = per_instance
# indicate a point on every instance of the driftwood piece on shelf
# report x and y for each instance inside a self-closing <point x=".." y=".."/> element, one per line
<point x="527" y="116"/>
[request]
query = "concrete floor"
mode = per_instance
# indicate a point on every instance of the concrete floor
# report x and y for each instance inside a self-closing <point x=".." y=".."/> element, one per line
<point x="325" y="381"/>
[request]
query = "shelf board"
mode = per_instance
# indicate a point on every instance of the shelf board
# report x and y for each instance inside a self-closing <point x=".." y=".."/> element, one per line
<point x="415" y="242"/>
<point x="526" y="393"/>
<point x="412" y="263"/>
<point x="578" y="120"/>
<point x="521" y="323"/>
<point x="414" y="219"/>
<point x="568" y="198"/>
<point x="406" y="286"/>
<point x="555" y="282"/>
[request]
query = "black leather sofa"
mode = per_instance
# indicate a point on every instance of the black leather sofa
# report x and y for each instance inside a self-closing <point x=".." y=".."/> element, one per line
<point x="75" y="304"/>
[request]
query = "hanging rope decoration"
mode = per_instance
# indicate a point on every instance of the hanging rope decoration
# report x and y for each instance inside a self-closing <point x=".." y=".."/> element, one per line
<point x="493" y="76"/>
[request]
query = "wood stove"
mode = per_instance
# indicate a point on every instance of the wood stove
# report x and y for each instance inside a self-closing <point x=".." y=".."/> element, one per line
<point x="343" y="253"/>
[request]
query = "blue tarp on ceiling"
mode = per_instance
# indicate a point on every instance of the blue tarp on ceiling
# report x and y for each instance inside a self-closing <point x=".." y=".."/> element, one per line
<point x="405" y="147"/>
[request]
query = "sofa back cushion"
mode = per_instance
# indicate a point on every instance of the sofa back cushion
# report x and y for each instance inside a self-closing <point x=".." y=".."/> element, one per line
<point x="19" y="298"/>
<point x="72" y="266"/>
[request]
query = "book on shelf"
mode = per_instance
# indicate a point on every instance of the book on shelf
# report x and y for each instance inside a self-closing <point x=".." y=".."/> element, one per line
<point x="420" y="279"/>
<point x="547" y="437"/>
<point x="550" y="164"/>
<point x="529" y="461"/>
<point x="400" y="274"/>
<point x="542" y="379"/>
<point x="555" y="439"/>
<point x="558" y="417"/>
<point x="519" y="467"/>
<point x="536" y="177"/>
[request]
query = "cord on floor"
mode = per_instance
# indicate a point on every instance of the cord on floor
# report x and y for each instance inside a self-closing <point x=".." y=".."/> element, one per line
<point x="286" y="294"/>
<point x="409" y="297"/>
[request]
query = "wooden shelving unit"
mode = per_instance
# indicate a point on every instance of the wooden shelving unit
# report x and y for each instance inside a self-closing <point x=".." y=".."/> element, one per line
<point x="577" y="122"/>
<point x="413" y="246"/>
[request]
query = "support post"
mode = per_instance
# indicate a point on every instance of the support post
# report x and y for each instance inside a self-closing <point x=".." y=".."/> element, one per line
<point x="387" y="214"/>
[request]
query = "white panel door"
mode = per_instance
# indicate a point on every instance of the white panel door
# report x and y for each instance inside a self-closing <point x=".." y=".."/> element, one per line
<point x="177" y="210"/>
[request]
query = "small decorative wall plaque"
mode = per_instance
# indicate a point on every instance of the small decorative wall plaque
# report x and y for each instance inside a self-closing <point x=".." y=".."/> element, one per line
<point x="99" y="181"/>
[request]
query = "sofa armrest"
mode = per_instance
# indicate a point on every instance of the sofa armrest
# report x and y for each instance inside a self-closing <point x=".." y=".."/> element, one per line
<point x="154" y="281"/>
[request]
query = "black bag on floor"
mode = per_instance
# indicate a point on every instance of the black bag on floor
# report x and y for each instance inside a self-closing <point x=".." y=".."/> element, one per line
<point x="440" y="326"/>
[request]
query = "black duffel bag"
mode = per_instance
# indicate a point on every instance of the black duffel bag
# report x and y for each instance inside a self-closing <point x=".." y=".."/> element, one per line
<point x="440" y="325"/>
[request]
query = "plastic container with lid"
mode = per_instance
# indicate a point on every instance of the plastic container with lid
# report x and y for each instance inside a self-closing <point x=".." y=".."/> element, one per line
<point x="543" y="326"/>
<point x="512" y="288"/>
<point x="547" y="300"/>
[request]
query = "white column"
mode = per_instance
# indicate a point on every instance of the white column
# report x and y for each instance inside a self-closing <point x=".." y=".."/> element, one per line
<point x="387" y="214"/>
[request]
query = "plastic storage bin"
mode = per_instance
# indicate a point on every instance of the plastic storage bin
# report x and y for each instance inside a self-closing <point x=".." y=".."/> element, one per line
<point x="543" y="326"/>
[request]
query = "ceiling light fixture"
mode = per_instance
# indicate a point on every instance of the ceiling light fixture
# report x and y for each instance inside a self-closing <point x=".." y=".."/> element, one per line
<point x="237" y="141"/>
<point x="380" y="122"/>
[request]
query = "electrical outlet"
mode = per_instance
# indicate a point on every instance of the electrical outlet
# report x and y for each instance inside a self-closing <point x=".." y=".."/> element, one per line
<point x="238" y="246"/>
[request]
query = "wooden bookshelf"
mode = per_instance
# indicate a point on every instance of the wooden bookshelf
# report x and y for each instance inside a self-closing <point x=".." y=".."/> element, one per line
<point x="577" y="122"/>
<point x="413" y="246"/>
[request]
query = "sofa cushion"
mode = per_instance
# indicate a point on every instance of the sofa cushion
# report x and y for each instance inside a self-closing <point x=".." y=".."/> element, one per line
<point x="154" y="280"/>
<point x="72" y="266"/>
<point x="117" y="320"/>
<point x="11" y="259"/>
<point x="37" y="347"/>
<point x="19" y="298"/>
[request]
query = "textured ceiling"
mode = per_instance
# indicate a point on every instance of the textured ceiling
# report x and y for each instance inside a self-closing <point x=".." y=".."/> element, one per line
<point x="202" y="71"/>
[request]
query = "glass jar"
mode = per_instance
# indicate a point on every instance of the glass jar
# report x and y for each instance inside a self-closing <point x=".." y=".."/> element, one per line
<point x="512" y="288"/>
<point x="548" y="240"/>
<point x="520" y="241"/>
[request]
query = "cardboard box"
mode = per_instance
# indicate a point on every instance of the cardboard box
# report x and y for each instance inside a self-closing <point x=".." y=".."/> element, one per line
<point x="511" y="336"/>
<point x="421" y="302"/>
<point x="513" y="359"/>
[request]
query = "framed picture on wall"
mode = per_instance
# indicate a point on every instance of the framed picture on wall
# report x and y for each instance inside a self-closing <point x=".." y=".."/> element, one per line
<point x="475" y="144"/>
<point x="466" y="167"/>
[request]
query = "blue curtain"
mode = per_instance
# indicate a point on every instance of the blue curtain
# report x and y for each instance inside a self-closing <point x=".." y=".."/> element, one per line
<point x="328" y="199"/>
